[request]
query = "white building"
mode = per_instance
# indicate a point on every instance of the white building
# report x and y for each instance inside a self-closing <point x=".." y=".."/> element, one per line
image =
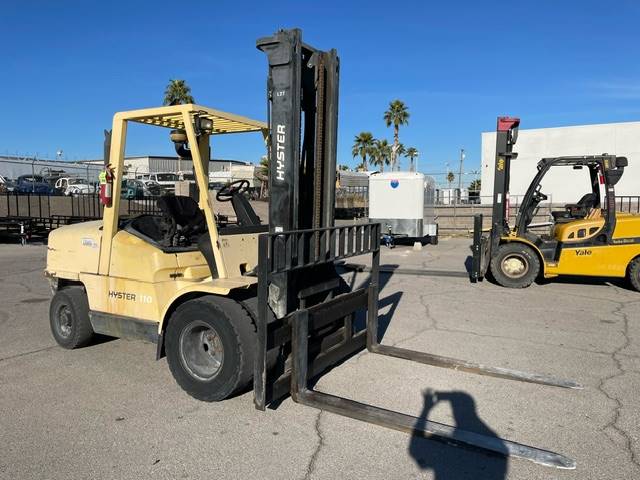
<point x="562" y="183"/>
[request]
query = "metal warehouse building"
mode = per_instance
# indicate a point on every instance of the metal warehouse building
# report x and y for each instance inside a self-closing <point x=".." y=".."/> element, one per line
<point x="155" y="164"/>
<point x="562" y="184"/>
<point x="14" y="166"/>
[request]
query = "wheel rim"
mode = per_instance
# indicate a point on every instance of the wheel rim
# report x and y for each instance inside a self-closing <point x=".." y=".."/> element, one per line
<point x="64" y="321"/>
<point x="201" y="350"/>
<point x="515" y="265"/>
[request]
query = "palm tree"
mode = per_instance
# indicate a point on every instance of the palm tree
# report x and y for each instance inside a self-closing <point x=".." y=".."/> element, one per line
<point x="412" y="153"/>
<point x="397" y="153"/>
<point x="381" y="153"/>
<point x="362" y="144"/>
<point x="343" y="168"/>
<point x="397" y="114"/>
<point x="177" y="93"/>
<point x="450" y="178"/>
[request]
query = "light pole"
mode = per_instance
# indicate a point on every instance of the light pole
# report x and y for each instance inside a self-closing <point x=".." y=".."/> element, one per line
<point x="462" y="155"/>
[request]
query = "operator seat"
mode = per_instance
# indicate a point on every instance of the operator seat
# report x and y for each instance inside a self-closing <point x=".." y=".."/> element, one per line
<point x="574" y="211"/>
<point x="182" y="212"/>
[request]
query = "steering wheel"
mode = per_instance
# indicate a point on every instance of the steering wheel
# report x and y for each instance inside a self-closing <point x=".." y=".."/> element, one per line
<point x="227" y="192"/>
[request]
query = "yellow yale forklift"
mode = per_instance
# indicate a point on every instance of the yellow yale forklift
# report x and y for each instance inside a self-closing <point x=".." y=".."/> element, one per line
<point x="234" y="301"/>
<point x="588" y="238"/>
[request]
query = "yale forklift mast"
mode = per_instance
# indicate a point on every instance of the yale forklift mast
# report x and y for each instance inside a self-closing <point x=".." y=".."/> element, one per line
<point x="586" y="238"/>
<point x="230" y="300"/>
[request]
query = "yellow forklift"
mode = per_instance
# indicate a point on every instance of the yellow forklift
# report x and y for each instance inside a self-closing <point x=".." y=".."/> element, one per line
<point x="588" y="238"/>
<point x="232" y="300"/>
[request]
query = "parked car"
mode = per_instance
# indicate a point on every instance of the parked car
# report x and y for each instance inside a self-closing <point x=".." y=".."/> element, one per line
<point x="188" y="176"/>
<point x="136" y="189"/>
<point x="77" y="186"/>
<point x="6" y="185"/>
<point x="152" y="188"/>
<point x="33" y="184"/>
<point x="51" y="176"/>
<point x="166" y="180"/>
<point x="74" y="186"/>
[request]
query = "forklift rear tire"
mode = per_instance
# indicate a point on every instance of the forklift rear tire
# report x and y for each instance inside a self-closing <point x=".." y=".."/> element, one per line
<point x="69" y="318"/>
<point x="210" y="344"/>
<point x="515" y="265"/>
<point x="634" y="273"/>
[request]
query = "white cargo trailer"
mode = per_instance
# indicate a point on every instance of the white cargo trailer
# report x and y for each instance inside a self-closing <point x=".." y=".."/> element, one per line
<point x="397" y="202"/>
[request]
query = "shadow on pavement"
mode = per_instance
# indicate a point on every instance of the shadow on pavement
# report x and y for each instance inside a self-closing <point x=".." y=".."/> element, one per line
<point x="391" y="300"/>
<point x="450" y="462"/>
<point x="467" y="263"/>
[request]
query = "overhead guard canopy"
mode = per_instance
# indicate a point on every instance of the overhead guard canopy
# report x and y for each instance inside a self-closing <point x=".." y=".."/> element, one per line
<point x="172" y="117"/>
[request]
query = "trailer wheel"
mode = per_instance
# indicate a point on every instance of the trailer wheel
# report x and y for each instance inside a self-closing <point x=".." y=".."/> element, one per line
<point x="634" y="273"/>
<point x="69" y="318"/>
<point x="209" y="345"/>
<point x="515" y="265"/>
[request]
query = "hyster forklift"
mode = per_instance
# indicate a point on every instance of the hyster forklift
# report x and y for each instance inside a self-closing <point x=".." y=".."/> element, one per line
<point x="235" y="301"/>
<point x="587" y="238"/>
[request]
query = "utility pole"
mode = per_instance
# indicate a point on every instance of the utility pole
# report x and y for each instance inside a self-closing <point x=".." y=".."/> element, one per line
<point x="460" y="174"/>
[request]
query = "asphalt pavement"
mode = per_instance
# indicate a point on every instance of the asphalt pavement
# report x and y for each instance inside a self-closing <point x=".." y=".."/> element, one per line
<point x="110" y="411"/>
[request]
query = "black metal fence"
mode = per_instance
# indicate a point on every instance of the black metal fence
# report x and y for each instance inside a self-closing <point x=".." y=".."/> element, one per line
<point x="36" y="205"/>
<point x="31" y="214"/>
<point x="628" y="203"/>
<point x="143" y="206"/>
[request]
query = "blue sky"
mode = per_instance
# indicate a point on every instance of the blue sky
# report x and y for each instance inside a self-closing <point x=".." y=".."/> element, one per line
<point x="67" y="66"/>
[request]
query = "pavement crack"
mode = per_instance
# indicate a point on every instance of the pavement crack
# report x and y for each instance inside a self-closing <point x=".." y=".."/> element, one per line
<point x="311" y="466"/>
<point x="620" y="371"/>
<point x="431" y="324"/>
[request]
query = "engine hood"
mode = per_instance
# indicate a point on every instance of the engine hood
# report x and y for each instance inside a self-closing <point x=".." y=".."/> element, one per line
<point x="74" y="249"/>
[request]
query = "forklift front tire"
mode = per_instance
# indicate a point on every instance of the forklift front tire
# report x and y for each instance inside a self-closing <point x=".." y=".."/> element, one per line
<point x="209" y="345"/>
<point x="515" y="265"/>
<point x="69" y="318"/>
<point x="634" y="273"/>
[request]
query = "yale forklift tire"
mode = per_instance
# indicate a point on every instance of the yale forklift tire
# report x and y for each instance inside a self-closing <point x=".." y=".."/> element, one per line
<point x="69" y="318"/>
<point x="634" y="273"/>
<point x="515" y="265"/>
<point x="210" y="344"/>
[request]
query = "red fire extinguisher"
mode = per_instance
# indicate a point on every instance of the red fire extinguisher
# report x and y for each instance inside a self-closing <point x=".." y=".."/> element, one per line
<point x="106" y="186"/>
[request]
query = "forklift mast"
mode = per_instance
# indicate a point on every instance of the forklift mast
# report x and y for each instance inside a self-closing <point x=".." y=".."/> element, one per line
<point x="302" y="90"/>
<point x="506" y="136"/>
<point x="317" y="317"/>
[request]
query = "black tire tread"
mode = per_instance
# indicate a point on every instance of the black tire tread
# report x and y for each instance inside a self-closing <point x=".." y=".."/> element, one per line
<point x="504" y="280"/>
<point x="244" y="330"/>
<point x="76" y="297"/>
<point x="634" y="273"/>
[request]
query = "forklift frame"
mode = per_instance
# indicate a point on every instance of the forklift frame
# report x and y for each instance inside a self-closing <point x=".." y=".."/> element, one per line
<point x="605" y="171"/>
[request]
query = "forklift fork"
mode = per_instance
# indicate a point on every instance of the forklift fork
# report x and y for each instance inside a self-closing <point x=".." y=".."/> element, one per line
<point x="285" y="252"/>
<point x="481" y="250"/>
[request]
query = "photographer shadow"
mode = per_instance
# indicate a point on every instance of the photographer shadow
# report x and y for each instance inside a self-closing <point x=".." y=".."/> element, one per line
<point x="451" y="462"/>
